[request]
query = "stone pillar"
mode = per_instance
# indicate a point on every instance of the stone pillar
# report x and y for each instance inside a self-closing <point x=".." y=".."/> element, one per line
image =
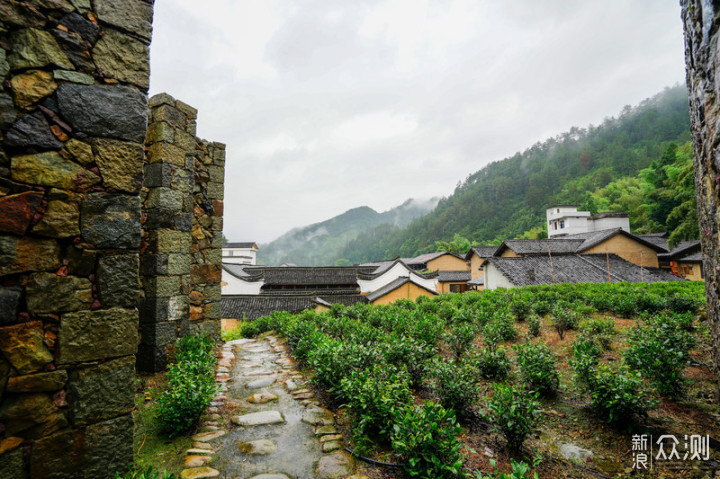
<point x="168" y="219"/>
<point x="182" y="232"/>
<point x="702" y="35"/>
<point x="206" y="272"/>
<point x="73" y="112"/>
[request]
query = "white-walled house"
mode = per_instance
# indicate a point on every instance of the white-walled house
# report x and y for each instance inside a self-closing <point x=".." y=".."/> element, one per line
<point x="240" y="253"/>
<point x="388" y="271"/>
<point x="567" y="220"/>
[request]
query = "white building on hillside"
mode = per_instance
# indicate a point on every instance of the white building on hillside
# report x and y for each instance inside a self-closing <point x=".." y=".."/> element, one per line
<point x="567" y="220"/>
<point x="240" y="253"/>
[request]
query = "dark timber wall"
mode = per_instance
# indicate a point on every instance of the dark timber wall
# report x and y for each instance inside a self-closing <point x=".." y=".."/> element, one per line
<point x="700" y="19"/>
<point x="80" y="206"/>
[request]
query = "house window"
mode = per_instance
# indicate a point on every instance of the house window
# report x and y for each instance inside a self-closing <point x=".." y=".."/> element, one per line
<point x="562" y="224"/>
<point x="555" y="225"/>
<point x="558" y="210"/>
<point x="458" y="288"/>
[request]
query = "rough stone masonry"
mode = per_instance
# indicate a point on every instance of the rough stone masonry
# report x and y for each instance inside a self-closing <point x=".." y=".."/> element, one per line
<point x="109" y="241"/>
<point x="702" y="40"/>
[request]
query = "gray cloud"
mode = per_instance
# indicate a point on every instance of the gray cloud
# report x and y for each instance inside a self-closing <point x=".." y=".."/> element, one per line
<point x="328" y="105"/>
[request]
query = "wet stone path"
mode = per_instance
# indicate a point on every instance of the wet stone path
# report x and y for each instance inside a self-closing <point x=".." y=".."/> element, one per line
<point x="278" y="429"/>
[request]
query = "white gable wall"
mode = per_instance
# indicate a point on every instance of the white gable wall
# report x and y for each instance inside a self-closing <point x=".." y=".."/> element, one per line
<point x="495" y="279"/>
<point x="234" y="285"/>
<point x="396" y="271"/>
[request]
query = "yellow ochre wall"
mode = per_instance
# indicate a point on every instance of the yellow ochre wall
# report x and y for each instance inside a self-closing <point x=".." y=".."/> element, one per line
<point x="444" y="287"/>
<point x="628" y="249"/>
<point x="475" y="269"/>
<point x="407" y="291"/>
<point x="694" y="274"/>
<point x="447" y="262"/>
<point x="508" y="253"/>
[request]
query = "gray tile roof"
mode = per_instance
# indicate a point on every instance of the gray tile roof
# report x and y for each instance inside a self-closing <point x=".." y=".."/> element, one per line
<point x="479" y="281"/>
<point x="240" y="245"/>
<point x="310" y="275"/>
<point x="540" y="247"/>
<point x="683" y="249"/>
<point x="252" y="306"/>
<point x="585" y="268"/>
<point x="243" y="271"/>
<point x="658" y="239"/>
<point x="481" y="251"/>
<point x="455" y="276"/>
<point x="424" y="258"/>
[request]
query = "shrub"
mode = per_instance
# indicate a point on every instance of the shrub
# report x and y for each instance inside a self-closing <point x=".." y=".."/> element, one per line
<point x="682" y="304"/>
<point x="148" y="473"/>
<point x="191" y="385"/>
<point x="456" y="386"/>
<point x="334" y="359"/>
<point x="520" y="309"/>
<point x="537" y="366"/>
<point x="500" y="328"/>
<point x="533" y="322"/>
<point x="541" y="308"/>
<point x="564" y="319"/>
<point x="586" y="353"/>
<point x="375" y="396"/>
<point x="491" y="364"/>
<point x="427" y="438"/>
<point x="460" y="337"/>
<point x="513" y="413"/>
<point x="601" y="329"/>
<point x="659" y="350"/>
<point x="409" y="353"/>
<point x="618" y="394"/>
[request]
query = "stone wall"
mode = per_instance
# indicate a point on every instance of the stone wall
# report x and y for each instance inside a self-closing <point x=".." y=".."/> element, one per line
<point x="702" y="40"/>
<point x="182" y="231"/>
<point x="73" y="115"/>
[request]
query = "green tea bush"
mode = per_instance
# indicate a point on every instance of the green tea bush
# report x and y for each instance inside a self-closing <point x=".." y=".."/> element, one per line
<point x="491" y="364"/>
<point x="564" y="318"/>
<point x="586" y="355"/>
<point x="428" y="440"/>
<point x="533" y="322"/>
<point x="521" y="308"/>
<point x="537" y="366"/>
<point x="375" y="397"/>
<point x="500" y="328"/>
<point x="659" y="349"/>
<point x="541" y="308"/>
<point x="191" y="385"/>
<point x="601" y="329"/>
<point x="460" y="337"/>
<point x="456" y="386"/>
<point x="334" y="359"/>
<point x="683" y="304"/>
<point x="409" y="353"/>
<point x="618" y="394"/>
<point x="513" y="413"/>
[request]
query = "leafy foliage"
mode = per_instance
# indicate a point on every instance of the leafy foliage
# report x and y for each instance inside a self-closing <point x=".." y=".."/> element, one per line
<point x="537" y="366"/>
<point x="428" y="438"/>
<point x="659" y="350"/>
<point x="456" y="386"/>
<point x="191" y="385"/>
<point x="514" y="413"/>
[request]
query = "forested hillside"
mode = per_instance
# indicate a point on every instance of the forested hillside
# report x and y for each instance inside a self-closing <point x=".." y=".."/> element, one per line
<point x="508" y="198"/>
<point x="320" y="243"/>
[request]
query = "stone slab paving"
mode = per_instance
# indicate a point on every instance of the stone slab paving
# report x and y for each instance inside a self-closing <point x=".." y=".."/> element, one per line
<point x="275" y="434"/>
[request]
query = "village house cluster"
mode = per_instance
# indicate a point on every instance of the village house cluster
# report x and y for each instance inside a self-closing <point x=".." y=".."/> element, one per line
<point x="581" y="248"/>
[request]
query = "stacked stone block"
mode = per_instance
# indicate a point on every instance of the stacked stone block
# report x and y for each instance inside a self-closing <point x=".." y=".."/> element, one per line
<point x="206" y="269"/>
<point x="73" y="116"/>
<point x="182" y="216"/>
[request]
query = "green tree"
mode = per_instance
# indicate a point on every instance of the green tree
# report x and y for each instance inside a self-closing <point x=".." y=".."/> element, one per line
<point x="458" y="245"/>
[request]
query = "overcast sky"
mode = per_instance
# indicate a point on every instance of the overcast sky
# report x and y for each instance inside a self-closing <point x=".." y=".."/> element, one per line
<point x="326" y="105"/>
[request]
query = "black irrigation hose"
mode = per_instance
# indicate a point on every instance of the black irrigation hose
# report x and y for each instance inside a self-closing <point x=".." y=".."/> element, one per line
<point x="372" y="461"/>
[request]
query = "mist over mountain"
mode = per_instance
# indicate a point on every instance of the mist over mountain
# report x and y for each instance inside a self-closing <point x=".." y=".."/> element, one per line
<point x="320" y="243"/>
<point x="507" y="198"/>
